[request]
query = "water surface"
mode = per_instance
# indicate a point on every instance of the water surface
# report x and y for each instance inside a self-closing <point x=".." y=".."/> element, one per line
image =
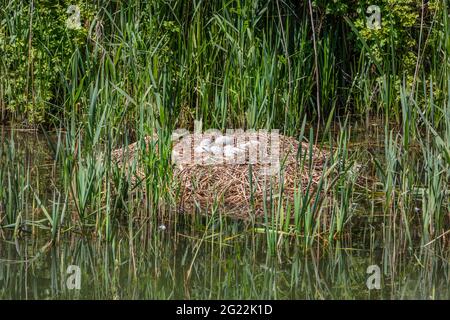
<point x="211" y="258"/>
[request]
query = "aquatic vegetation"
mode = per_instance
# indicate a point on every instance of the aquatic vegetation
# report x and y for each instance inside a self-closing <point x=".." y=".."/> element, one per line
<point x="91" y="181"/>
<point x="240" y="175"/>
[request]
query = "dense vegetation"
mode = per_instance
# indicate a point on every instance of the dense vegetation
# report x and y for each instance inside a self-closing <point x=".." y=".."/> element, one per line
<point x="313" y="69"/>
<point x="375" y="98"/>
<point x="231" y="63"/>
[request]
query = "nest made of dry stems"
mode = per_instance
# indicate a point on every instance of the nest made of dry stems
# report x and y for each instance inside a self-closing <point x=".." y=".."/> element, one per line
<point x="242" y="184"/>
<point x="129" y="158"/>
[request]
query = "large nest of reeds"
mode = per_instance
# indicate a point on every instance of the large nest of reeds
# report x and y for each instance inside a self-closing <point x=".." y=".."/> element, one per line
<point x="239" y="174"/>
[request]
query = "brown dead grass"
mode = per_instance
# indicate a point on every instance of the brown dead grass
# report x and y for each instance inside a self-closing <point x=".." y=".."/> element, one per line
<point x="237" y="189"/>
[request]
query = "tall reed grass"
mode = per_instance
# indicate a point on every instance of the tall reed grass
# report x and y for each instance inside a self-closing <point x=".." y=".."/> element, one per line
<point x="151" y="67"/>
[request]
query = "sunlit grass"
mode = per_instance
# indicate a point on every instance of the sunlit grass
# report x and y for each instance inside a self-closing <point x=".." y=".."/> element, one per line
<point x="231" y="65"/>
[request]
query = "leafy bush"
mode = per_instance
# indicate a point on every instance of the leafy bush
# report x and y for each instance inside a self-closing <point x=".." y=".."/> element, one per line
<point x="251" y="54"/>
<point x="33" y="62"/>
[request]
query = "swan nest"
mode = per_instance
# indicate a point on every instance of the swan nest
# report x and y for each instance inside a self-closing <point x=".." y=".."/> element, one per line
<point x="240" y="174"/>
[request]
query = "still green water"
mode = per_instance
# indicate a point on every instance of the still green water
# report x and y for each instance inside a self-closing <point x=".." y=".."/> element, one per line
<point x="214" y="259"/>
<point x="177" y="267"/>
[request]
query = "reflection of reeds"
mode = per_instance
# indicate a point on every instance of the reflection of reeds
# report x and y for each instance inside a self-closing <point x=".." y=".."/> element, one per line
<point x="216" y="262"/>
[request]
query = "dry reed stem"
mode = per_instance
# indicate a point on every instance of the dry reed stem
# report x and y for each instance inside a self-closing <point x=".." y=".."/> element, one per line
<point x="230" y="185"/>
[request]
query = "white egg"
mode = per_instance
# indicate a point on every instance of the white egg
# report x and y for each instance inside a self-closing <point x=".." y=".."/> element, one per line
<point x="205" y="142"/>
<point x="230" y="151"/>
<point x="223" y="140"/>
<point x="201" y="149"/>
<point x="249" y="145"/>
<point x="175" y="155"/>
<point x="216" y="150"/>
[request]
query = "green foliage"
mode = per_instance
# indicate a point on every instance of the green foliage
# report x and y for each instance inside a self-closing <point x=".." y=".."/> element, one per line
<point x="235" y="63"/>
<point x="35" y="45"/>
<point x="398" y="36"/>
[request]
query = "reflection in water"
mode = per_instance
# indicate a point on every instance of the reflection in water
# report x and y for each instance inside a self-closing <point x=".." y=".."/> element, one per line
<point x="196" y="269"/>
<point x="209" y="258"/>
